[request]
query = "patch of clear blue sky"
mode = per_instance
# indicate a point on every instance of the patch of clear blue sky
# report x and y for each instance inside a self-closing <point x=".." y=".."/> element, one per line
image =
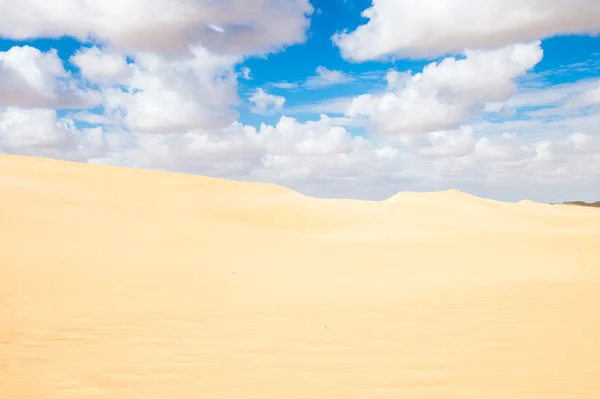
<point x="566" y="59"/>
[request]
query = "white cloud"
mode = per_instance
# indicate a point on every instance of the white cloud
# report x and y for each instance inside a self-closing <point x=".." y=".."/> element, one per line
<point x="337" y="105"/>
<point x="586" y="98"/>
<point x="246" y="73"/>
<point x="444" y="144"/>
<point x="164" y="95"/>
<point x="550" y="96"/>
<point x="37" y="132"/>
<point x="289" y="137"/>
<point x="325" y="77"/>
<point x="265" y="103"/>
<point x="30" y="78"/>
<point x="162" y="25"/>
<point x="430" y="28"/>
<point x="101" y="67"/>
<point x="285" y="85"/>
<point x="448" y="93"/>
<point x="540" y="128"/>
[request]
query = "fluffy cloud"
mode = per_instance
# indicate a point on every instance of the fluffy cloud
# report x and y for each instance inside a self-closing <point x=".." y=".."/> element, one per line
<point x="325" y="77"/>
<point x="38" y="132"/>
<point x="445" y="94"/>
<point x="30" y="78"/>
<point x="99" y="66"/>
<point x="161" y="95"/>
<point x="166" y="26"/>
<point x="246" y="73"/>
<point x="430" y="28"/>
<point x="265" y="103"/>
<point x="289" y="137"/>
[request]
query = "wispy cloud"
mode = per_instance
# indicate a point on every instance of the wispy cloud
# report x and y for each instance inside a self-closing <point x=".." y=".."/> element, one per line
<point x="334" y="106"/>
<point x="590" y="65"/>
<point x="285" y="85"/>
<point x="325" y="77"/>
<point x="539" y="97"/>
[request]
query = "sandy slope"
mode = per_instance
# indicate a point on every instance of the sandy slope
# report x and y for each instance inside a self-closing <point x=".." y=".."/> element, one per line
<point x="120" y="283"/>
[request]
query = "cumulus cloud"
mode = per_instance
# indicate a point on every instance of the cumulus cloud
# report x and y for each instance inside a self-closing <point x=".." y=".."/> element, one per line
<point x="99" y="66"/>
<point x="38" y="132"/>
<point x="430" y="28"/>
<point x="31" y="78"/>
<point x="162" y="95"/>
<point x="164" y="26"/>
<point x="246" y="73"/>
<point x="325" y="77"/>
<point x="265" y="103"/>
<point x="445" y="94"/>
<point x="444" y="144"/>
<point x="290" y="137"/>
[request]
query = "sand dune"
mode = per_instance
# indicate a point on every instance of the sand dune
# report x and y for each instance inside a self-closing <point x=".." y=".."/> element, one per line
<point x="121" y="283"/>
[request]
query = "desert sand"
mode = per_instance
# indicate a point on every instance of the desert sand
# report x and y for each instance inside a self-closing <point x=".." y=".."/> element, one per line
<point x="122" y="283"/>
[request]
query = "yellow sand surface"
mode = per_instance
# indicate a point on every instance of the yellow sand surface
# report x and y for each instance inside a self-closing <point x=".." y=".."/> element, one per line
<point x="130" y="284"/>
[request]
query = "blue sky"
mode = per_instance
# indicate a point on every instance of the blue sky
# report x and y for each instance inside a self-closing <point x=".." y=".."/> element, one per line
<point x="509" y="114"/>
